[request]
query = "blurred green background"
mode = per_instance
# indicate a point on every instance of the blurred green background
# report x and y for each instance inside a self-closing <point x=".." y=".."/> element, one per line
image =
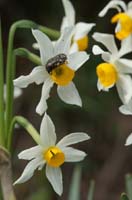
<point x="108" y="160"/>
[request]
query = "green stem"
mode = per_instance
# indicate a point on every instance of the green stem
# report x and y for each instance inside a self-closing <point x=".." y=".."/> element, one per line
<point x="27" y="54"/>
<point x="27" y="125"/>
<point x="2" y="132"/>
<point x="11" y="69"/>
<point x="50" y="32"/>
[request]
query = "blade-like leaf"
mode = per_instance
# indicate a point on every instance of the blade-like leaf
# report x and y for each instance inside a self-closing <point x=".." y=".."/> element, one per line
<point x="129" y="186"/>
<point x="124" y="197"/>
<point x="74" y="193"/>
<point x="91" y="190"/>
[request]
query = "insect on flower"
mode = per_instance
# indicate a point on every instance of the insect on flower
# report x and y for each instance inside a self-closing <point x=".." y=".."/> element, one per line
<point x="58" y="67"/>
<point x="55" y="62"/>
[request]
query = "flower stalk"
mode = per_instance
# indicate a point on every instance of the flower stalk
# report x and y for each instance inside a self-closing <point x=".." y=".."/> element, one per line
<point x="53" y="34"/>
<point x="11" y="69"/>
<point x="2" y="138"/>
<point x="27" y="54"/>
<point x="6" y="175"/>
<point x="27" y="126"/>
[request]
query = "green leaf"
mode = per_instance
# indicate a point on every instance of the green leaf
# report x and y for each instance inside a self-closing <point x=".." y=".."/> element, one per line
<point x="91" y="190"/>
<point x="74" y="193"/>
<point x="124" y="197"/>
<point x="129" y="186"/>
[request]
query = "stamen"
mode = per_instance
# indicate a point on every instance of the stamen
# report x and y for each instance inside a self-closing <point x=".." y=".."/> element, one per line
<point x="83" y="43"/>
<point x="107" y="74"/>
<point x="62" y="75"/>
<point x="54" y="156"/>
<point x="125" y="23"/>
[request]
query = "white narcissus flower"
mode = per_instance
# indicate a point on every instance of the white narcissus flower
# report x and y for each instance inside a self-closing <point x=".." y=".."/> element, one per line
<point x="58" y="66"/>
<point x="51" y="154"/>
<point x="114" y="70"/>
<point x="80" y="39"/>
<point x="123" y="18"/>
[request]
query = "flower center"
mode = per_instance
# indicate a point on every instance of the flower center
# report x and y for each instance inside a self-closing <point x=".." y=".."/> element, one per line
<point x="125" y="23"/>
<point x="82" y="43"/>
<point x="62" y="75"/>
<point x="54" y="156"/>
<point x="107" y="74"/>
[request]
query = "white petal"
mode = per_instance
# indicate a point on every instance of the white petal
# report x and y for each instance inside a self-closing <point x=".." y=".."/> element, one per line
<point x="105" y="55"/>
<point x="107" y="40"/>
<point x="73" y="138"/>
<point x="54" y="176"/>
<point x="118" y="27"/>
<point x="45" y="45"/>
<point x="124" y="87"/>
<point x="37" y="75"/>
<point x="129" y="140"/>
<point x="47" y="131"/>
<point x="64" y="24"/>
<point x="62" y="45"/>
<point x="125" y="109"/>
<point x="82" y="29"/>
<point x="36" y="46"/>
<point x="101" y="87"/>
<point x="69" y="94"/>
<point x="97" y="50"/>
<point x="30" y="153"/>
<point x="29" y="170"/>
<point x="113" y="4"/>
<point x="76" y="60"/>
<point x="17" y="92"/>
<point x="124" y="65"/>
<point x="73" y="155"/>
<point x="42" y="105"/>
<point x="69" y="12"/>
<point x="74" y="47"/>
<point x="129" y="5"/>
<point x="126" y="46"/>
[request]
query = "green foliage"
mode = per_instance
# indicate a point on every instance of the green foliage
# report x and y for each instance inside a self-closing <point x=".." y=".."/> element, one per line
<point x="129" y="186"/>
<point x="124" y="197"/>
<point x="74" y="193"/>
<point x="91" y="190"/>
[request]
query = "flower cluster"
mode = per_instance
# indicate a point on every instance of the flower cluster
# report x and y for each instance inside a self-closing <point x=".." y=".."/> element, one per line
<point x="60" y="61"/>
<point x="117" y="70"/>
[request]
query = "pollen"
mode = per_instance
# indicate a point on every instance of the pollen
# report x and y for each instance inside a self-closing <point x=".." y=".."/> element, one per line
<point x="54" y="156"/>
<point x="82" y="43"/>
<point x="125" y="25"/>
<point x="62" y="75"/>
<point x="107" y="74"/>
